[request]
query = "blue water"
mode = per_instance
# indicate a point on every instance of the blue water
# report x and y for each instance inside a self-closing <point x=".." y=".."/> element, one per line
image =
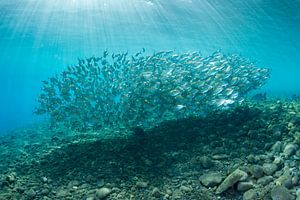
<point x="40" y="37"/>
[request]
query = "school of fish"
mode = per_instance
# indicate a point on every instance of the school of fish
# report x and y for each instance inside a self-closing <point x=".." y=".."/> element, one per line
<point x="140" y="90"/>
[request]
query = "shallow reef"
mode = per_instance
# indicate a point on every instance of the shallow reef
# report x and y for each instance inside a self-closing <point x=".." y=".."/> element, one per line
<point x="247" y="152"/>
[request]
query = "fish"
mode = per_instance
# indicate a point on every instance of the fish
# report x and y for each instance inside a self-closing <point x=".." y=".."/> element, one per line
<point x="226" y="102"/>
<point x="179" y="107"/>
<point x="229" y="91"/>
<point x="151" y="88"/>
<point x="175" y="92"/>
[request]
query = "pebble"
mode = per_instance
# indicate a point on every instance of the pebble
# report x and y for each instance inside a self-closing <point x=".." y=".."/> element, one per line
<point x="102" y="193"/>
<point x="211" y="179"/>
<point x="206" y="162"/>
<point x="297" y="137"/>
<point x="280" y="193"/>
<point x="296" y="119"/>
<point x="251" y="158"/>
<point x="285" y="180"/>
<point x="290" y="125"/>
<point x="231" y="179"/>
<point x="177" y="194"/>
<point x="269" y="168"/>
<point x="244" y="186"/>
<point x="30" y="194"/>
<point x="141" y="184"/>
<point x="298" y="194"/>
<point x="148" y="162"/>
<point x="220" y="157"/>
<point x="62" y="193"/>
<point x="20" y="189"/>
<point x="290" y="149"/>
<point x="278" y="161"/>
<point x="257" y="171"/>
<point x="45" y="180"/>
<point x="169" y="192"/>
<point x="156" y="193"/>
<point x="11" y="178"/>
<point x="297" y="154"/>
<point x="295" y="180"/>
<point x="45" y="192"/>
<point x="100" y="183"/>
<point x="73" y="183"/>
<point x="251" y="194"/>
<point x="185" y="189"/>
<point x="277" y="147"/>
<point x="265" y="180"/>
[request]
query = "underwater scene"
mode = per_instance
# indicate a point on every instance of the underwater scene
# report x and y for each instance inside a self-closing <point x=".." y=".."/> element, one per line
<point x="150" y="100"/>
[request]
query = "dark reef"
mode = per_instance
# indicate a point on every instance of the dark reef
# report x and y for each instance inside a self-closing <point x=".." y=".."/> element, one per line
<point x="178" y="159"/>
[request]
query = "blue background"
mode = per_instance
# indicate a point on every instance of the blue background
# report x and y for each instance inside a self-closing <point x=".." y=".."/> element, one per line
<point x="41" y="37"/>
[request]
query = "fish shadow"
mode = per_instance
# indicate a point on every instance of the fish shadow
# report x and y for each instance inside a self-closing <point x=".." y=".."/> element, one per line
<point x="153" y="154"/>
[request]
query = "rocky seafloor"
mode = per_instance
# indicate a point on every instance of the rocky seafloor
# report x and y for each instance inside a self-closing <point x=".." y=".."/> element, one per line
<point x="249" y="152"/>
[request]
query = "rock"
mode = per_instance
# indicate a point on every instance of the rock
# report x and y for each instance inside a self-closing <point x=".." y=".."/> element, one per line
<point x="290" y="125"/>
<point x="73" y="183"/>
<point x="285" y="180"/>
<point x="91" y="178"/>
<point x="251" y="158"/>
<point x="102" y="193"/>
<point x="297" y="138"/>
<point x="288" y="183"/>
<point x="45" y="192"/>
<point x="265" y="180"/>
<point x="231" y="179"/>
<point x="156" y="193"/>
<point x="257" y="171"/>
<point x="20" y="189"/>
<point x="185" y="189"/>
<point x="296" y="119"/>
<point x="206" y="162"/>
<point x="298" y="194"/>
<point x="177" y="194"/>
<point x="100" y="183"/>
<point x="141" y="184"/>
<point x="244" y="186"/>
<point x="269" y="168"/>
<point x="44" y="179"/>
<point x="90" y="198"/>
<point x="3" y="183"/>
<point x="277" y="147"/>
<point x="30" y="194"/>
<point x="62" y="193"/>
<point x="280" y="193"/>
<point x="211" y="179"/>
<point x="169" y="192"/>
<point x="278" y="161"/>
<point x="11" y="178"/>
<point x="295" y="180"/>
<point x="250" y="195"/>
<point x="220" y="157"/>
<point x="290" y="149"/>
<point x="148" y="162"/>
